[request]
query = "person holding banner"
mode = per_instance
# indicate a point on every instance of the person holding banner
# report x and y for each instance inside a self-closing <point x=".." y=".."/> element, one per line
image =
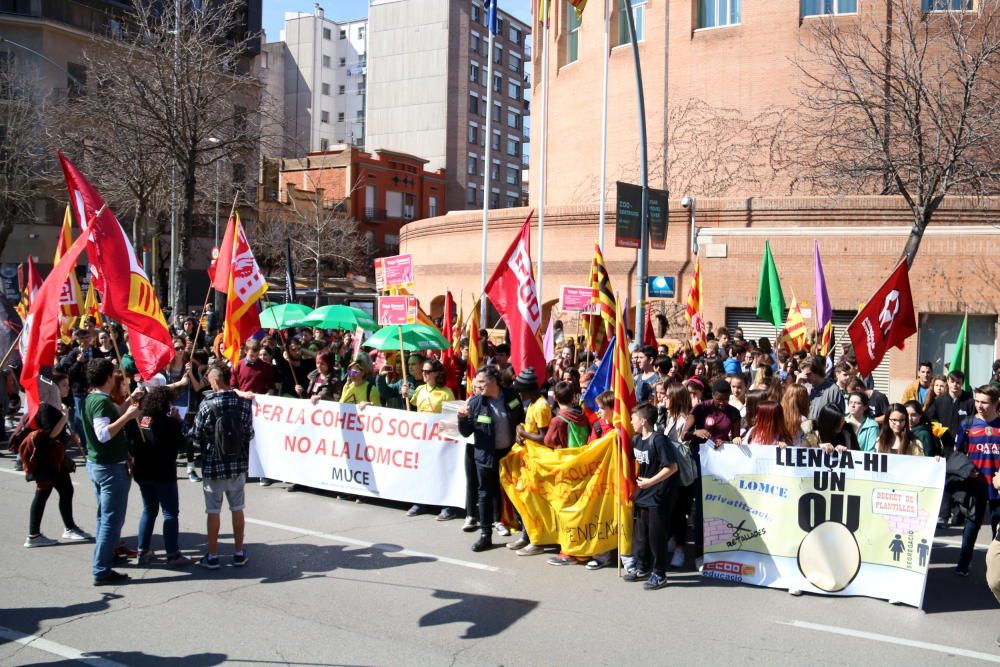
<point x="358" y="389"/>
<point x="323" y="385"/>
<point x="429" y="398"/>
<point x="896" y="437"/>
<point x="490" y="417"/>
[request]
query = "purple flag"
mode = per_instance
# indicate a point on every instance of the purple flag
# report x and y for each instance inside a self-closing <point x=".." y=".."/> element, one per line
<point x="824" y="312"/>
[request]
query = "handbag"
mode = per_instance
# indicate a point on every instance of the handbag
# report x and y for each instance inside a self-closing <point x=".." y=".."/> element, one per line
<point x="687" y="471"/>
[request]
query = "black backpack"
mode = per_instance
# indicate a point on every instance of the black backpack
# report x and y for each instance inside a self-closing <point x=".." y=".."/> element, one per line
<point x="229" y="443"/>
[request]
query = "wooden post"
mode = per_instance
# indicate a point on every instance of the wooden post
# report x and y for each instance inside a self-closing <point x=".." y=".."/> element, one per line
<point x="402" y="363"/>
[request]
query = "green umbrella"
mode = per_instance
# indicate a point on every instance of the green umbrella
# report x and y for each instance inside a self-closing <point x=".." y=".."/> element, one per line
<point x="340" y="317"/>
<point x="283" y="316"/>
<point x="416" y="338"/>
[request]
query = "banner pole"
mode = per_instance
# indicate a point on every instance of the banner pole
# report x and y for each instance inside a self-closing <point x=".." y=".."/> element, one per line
<point x="402" y="365"/>
<point x="618" y="498"/>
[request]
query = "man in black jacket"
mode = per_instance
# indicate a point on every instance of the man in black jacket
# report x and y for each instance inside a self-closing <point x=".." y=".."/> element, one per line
<point x="490" y="417"/>
<point x="952" y="409"/>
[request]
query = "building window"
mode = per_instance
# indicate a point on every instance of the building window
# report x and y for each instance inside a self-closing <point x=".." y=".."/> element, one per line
<point x="497" y="111"/>
<point x="360" y="115"/>
<point x="512" y="201"/>
<point x="343" y="33"/>
<point x="514" y="90"/>
<point x="938" y="333"/>
<point x="513" y="147"/>
<point x="473" y="104"/>
<point x="514" y="62"/>
<point x="497" y="55"/>
<point x="639" y="14"/>
<point x="824" y="7"/>
<point x="361" y="86"/>
<point x="473" y="134"/>
<point x="409" y="208"/>
<point x="947" y="5"/>
<point x="474" y="43"/>
<point x="432" y="206"/>
<point x="325" y="88"/>
<point x="495" y="170"/>
<point x="513" y="119"/>
<point x="324" y="116"/>
<point x="572" y="37"/>
<point x="324" y="144"/>
<point x="495" y="199"/>
<point x="327" y="33"/>
<point x="712" y="13"/>
<point x="513" y="175"/>
<point x="475" y="13"/>
<point x="326" y="61"/>
<point x="340" y="90"/>
<point x="342" y="62"/>
<point x="472" y="165"/>
<point x="394" y="204"/>
<point x="361" y="32"/>
<point x="495" y="144"/>
<point x="474" y="72"/>
<point x="340" y="116"/>
<point x="392" y="240"/>
<point x="497" y="83"/>
<point x="470" y="194"/>
<point x="515" y="35"/>
<point x="369" y="201"/>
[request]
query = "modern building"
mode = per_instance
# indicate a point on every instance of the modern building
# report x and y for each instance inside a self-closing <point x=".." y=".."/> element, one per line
<point x="427" y="89"/>
<point x="711" y="68"/>
<point x="316" y="77"/>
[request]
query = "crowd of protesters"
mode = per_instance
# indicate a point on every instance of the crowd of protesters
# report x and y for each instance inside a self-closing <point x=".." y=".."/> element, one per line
<point x="739" y="391"/>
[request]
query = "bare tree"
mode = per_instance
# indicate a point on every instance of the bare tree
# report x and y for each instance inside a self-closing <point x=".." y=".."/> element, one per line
<point x="903" y="103"/>
<point x="23" y="163"/>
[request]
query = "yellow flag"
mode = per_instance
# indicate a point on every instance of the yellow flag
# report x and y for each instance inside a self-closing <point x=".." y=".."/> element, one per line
<point x="567" y="496"/>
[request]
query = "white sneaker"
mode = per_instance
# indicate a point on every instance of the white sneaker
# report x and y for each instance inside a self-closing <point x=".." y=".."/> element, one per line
<point x="795" y="591"/>
<point x="699" y="562"/>
<point x="672" y="544"/>
<point x="39" y="540"/>
<point x="501" y="529"/>
<point x="679" y="558"/>
<point x="471" y="524"/>
<point x="77" y="535"/>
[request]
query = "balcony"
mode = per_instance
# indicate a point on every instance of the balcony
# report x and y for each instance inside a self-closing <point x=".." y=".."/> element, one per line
<point x="375" y="215"/>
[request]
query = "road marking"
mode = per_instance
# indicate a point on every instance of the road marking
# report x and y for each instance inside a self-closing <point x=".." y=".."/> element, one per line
<point x="888" y="639"/>
<point x="373" y="545"/>
<point x="958" y="543"/>
<point x="20" y="473"/>
<point x="63" y="651"/>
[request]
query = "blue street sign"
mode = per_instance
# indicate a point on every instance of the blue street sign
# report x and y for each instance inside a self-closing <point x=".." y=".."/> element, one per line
<point x="661" y="287"/>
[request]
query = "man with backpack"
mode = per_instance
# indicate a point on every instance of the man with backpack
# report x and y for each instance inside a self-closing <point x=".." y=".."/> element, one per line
<point x="224" y="427"/>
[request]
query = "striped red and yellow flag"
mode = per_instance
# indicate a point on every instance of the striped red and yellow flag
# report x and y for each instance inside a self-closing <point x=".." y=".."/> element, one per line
<point x="603" y="297"/>
<point x="578" y="7"/>
<point x="826" y="339"/>
<point x="476" y="353"/>
<point x="692" y="312"/>
<point x="623" y="386"/>
<point x="794" y="336"/>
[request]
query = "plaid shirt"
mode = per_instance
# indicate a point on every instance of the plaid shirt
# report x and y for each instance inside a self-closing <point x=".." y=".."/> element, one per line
<point x="210" y="410"/>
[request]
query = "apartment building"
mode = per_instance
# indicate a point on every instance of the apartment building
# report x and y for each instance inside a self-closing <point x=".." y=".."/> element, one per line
<point x="427" y="90"/>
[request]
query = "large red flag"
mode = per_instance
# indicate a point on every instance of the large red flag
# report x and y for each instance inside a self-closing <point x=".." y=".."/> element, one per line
<point x="245" y="286"/>
<point x="41" y="327"/>
<point x="514" y="294"/>
<point x="887" y="320"/>
<point x="126" y="293"/>
<point x="449" y="330"/>
<point x="648" y="337"/>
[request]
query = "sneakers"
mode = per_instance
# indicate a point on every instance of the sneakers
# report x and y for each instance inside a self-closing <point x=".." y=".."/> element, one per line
<point x="179" y="561"/>
<point x="961" y="570"/>
<point x="517" y="544"/>
<point x="112" y="578"/>
<point x="795" y="591"/>
<point x="597" y="564"/>
<point x="415" y="510"/>
<point x="530" y="550"/>
<point x="561" y="559"/>
<point x="209" y="562"/>
<point x="484" y="543"/>
<point x="679" y="558"/>
<point x="76" y="535"/>
<point x="264" y="481"/>
<point x="699" y="562"/>
<point x="447" y="514"/>
<point x="193" y="477"/>
<point x="39" y="540"/>
<point x="655" y="582"/>
<point x="471" y="525"/>
<point x="502" y="530"/>
<point x="240" y="558"/>
<point x="146" y="557"/>
<point x="635" y="574"/>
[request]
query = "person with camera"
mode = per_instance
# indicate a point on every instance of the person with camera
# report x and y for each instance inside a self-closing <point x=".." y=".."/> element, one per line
<point x="108" y="463"/>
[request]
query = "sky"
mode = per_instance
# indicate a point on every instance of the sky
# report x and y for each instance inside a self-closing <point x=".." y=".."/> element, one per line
<point x="338" y="10"/>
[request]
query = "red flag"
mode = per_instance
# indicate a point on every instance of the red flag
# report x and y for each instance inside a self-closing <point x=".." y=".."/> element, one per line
<point x="126" y="293"/>
<point x="218" y="270"/>
<point x="41" y="327"/>
<point x="647" y="331"/>
<point x="452" y="379"/>
<point x="887" y="320"/>
<point x="245" y="285"/>
<point x="513" y="292"/>
<point x="449" y="316"/>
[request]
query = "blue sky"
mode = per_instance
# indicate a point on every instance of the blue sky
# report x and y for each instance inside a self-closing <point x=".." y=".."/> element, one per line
<point x="274" y="11"/>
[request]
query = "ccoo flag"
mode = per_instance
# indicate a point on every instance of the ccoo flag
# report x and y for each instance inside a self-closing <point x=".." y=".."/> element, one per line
<point x="126" y="293"/>
<point x="245" y="285"/>
<point x="513" y="292"/>
<point x="887" y="320"/>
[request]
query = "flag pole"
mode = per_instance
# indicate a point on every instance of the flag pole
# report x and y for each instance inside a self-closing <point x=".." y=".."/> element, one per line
<point x="543" y="151"/>
<point x="604" y="126"/>
<point x="488" y="166"/>
<point x="618" y="495"/>
<point x="402" y="365"/>
<point x="642" y="258"/>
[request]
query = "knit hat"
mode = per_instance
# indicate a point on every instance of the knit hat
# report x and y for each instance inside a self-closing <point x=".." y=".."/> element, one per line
<point x="526" y="380"/>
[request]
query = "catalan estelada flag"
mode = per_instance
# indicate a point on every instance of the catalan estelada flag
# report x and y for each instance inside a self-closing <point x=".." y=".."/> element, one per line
<point x="794" y="336"/>
<point x="623" y="386"/>
<point x="692" y="312"/>
<point x="603" y="297"/>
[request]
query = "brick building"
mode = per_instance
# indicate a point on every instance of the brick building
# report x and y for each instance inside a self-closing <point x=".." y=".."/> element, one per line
<point x="381" y="191"/>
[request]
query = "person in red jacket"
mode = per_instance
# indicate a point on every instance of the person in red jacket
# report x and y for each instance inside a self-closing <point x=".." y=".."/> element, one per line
<point x="252" y="373"/>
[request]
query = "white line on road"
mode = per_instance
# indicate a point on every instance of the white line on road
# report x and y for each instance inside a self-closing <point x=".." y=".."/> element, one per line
<point x="63" y="651"/>
<point x="957" y="543"/>
<point x="373" y="545"/>
<point x="20" y="473"/>
<point x="888" y="639"/>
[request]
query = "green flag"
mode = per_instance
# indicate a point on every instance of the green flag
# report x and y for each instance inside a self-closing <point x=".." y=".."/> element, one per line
<point x="770" y="302"/>
<point x="960" y="354"/>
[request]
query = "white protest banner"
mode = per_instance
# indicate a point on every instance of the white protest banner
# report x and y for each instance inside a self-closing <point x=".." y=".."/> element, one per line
<point x="838" y="523"/>
<point x="375" y="452"/>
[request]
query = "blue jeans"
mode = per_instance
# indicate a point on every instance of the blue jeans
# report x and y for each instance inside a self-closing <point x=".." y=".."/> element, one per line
<point x="154" y="496"/>
<point x="111" y="485"/>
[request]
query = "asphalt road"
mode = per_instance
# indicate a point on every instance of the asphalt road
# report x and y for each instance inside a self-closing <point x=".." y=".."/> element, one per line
<point x="331" y="582"/>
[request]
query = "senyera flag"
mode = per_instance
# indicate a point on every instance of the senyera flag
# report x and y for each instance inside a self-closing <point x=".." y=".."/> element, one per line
<point x="887" y="320"/>
<point x="126" y="293"/>
<point x="41" y="327"/>
<point x="245" y="285"/>
<point x="513" y="292"/>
